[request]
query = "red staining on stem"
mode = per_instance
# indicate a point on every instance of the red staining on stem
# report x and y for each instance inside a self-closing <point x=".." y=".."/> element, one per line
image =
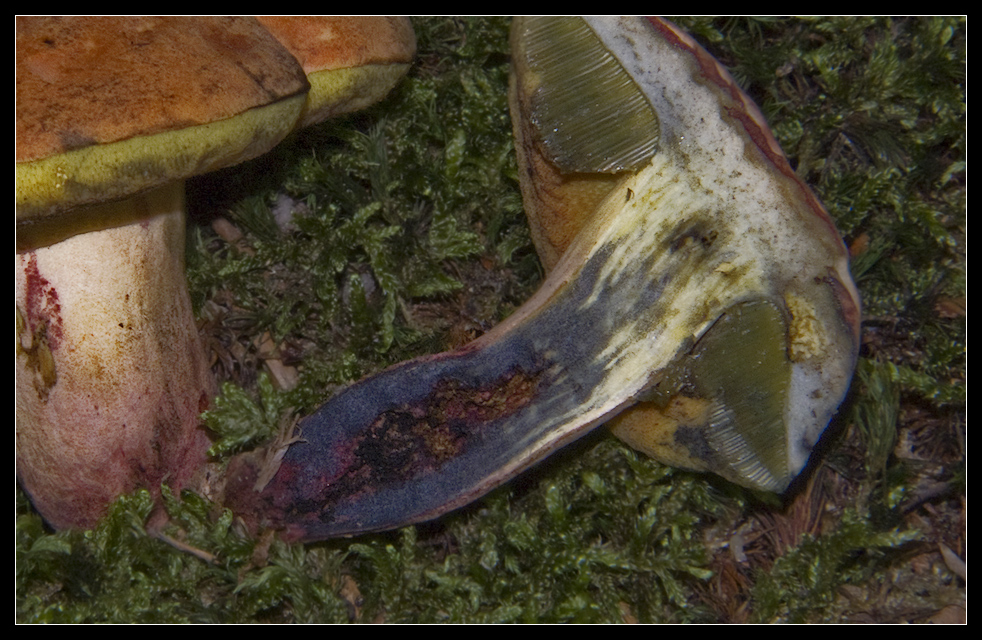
<point x="43" y="310"/>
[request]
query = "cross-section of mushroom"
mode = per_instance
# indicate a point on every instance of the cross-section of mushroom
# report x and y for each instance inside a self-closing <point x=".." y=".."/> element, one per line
<point x="701" y="276"/>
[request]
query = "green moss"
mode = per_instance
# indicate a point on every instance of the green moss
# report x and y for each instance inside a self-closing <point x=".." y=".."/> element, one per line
<point x="411" y="238"/>
<point x="803" y="585"/>
<point x="238" y="422"/>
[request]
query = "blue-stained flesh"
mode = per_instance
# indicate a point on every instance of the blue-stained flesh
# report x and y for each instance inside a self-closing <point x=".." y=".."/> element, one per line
<point x="427" y="435"/>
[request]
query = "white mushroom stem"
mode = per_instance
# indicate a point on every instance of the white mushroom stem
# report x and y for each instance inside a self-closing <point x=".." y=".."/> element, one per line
<point x="111" y="375"/>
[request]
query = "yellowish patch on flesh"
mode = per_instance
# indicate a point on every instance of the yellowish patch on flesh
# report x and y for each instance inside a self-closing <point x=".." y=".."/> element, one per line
<point x="805" y="336"/>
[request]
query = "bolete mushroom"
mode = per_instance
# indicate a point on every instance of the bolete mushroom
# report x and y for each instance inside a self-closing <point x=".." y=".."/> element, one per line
<point x="705" y="273"/>
<point x="112" y="115"/>
<point x="350" y="61"/>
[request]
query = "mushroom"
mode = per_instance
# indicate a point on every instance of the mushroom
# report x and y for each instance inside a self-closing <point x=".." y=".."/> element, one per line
<point x="699" y="274"/>
<point x="112" y="115"/>
<point x="350" y="61"/>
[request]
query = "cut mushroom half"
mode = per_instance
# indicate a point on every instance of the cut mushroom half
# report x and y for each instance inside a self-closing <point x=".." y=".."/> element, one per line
<point x="702" y="278"/>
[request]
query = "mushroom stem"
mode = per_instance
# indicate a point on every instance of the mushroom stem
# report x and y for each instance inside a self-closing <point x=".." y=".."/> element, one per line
<point x="111" y="375"/>
<point x="628" y="303"/>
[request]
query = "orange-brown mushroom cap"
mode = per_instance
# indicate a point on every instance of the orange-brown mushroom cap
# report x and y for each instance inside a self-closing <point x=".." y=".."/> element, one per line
<point x="107" y="107"/>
